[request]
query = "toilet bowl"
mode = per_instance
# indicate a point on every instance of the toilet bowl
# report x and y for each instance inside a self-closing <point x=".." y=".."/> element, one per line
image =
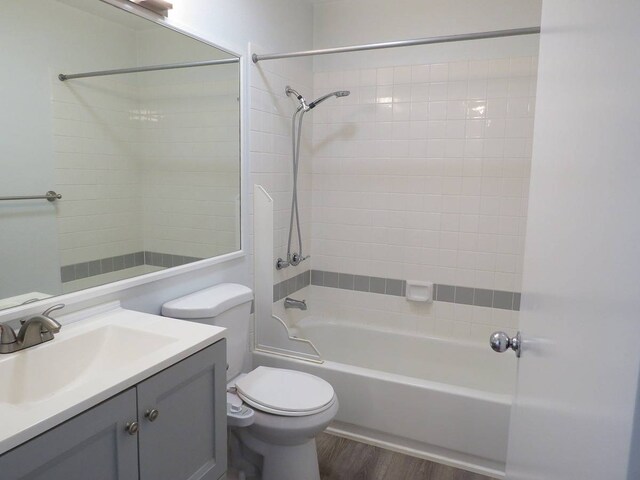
<point x="273" y="414"/>
<point x="289" y="409"/>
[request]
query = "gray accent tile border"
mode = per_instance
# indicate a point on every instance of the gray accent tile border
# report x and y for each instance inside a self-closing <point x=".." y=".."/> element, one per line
<point x="77" y="271"/>
<point x="165" y="259"/>
<point x="292" y="285"/>
<point x="446" y="293"/>
<point x="464" y="295"/>
<point x="479" y="297"/>
<point x="360" y="283"/>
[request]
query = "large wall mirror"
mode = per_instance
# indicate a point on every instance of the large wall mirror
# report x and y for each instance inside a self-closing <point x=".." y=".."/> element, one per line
<point x="147" y="164"/>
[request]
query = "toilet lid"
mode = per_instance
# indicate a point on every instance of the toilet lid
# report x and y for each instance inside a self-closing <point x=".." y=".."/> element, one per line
<point x="285" y="392"/>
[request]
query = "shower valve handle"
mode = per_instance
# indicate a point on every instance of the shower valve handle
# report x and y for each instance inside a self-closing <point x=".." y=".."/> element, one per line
<point x="280" y="264"/>
<point x="297" y="259"/>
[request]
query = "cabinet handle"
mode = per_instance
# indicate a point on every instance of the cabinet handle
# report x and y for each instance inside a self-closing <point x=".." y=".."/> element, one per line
<point x="152" y="414"/>
<point x="132" y="428"/>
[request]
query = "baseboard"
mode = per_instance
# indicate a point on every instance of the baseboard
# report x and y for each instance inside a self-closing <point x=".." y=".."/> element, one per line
<point x="418" y="449"/>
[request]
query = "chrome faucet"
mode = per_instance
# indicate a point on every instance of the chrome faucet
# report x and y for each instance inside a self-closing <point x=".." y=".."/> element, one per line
<point x="34" y="331"/>
<point x="293" y="303"/>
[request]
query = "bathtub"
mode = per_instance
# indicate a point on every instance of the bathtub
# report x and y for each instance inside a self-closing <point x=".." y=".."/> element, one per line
<point x="438" y="399"/>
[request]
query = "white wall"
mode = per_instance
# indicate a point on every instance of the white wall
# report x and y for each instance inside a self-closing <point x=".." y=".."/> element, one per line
<point x="271" y="24"/>
<point x="354" y="22"/>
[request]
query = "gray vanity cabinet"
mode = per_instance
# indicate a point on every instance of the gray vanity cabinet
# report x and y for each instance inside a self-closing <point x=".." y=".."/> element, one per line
<point x="182" y="435"/>
<point x="182" y="412"/>
<point x="94" y="445"/>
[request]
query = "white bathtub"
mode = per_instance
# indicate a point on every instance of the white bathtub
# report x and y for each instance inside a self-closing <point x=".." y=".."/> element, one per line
<point x="438" y="399"/>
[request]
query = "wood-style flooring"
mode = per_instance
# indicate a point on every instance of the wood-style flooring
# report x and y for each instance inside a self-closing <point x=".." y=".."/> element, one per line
<point x="342" y="459"/>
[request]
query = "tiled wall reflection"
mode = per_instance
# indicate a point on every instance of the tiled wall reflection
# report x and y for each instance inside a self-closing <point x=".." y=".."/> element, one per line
<point x="102" y="266"/>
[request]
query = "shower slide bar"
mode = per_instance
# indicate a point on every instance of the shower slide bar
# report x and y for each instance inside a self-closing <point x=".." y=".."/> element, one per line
<point x="401" y="43"/>
<point x="170" y="66"/>
<point x="50" y="196"/>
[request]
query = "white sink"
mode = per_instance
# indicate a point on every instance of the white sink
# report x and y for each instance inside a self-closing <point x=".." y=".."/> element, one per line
<point x="66" y="362"/>
<point x="86" y="363"/>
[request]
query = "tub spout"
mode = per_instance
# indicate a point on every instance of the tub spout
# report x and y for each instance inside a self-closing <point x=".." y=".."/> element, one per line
<point x="293" y="303"/>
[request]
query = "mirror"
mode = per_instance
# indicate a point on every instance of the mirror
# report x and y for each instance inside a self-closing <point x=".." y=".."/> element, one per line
<point x="147" y="164"/>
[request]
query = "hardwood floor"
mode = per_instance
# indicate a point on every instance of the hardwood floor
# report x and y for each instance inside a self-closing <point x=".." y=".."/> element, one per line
<point x="342" y="459"/>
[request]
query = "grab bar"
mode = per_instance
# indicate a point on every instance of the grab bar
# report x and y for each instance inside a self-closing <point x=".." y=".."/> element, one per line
<point x="50" y="196"/>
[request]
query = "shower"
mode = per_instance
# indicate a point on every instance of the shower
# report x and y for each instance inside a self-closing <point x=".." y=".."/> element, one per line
<point x="296" y="136"/>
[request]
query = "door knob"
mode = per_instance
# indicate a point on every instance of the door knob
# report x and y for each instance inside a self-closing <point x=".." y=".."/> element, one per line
<point x="500" y="342"/>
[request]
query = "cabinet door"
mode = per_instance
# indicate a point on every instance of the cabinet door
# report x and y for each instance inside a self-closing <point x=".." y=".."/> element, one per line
<point x="94" y="445"/>
<point x="188" y="438"/>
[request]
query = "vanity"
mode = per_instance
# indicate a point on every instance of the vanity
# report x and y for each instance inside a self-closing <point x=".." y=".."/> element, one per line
<point x="120" y="394"/>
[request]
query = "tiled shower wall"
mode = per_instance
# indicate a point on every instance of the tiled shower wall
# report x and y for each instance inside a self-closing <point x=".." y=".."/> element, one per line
<point x="271" y="151"/>
<point x="422" y="173"/>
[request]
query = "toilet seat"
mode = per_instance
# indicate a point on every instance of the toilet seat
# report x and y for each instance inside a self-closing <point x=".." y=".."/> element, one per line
<point x="283" y="392"/>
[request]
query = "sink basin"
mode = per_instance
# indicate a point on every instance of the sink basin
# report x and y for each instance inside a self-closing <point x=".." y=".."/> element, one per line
<point x="109" y="350"/>
<point x="48" y="369"/>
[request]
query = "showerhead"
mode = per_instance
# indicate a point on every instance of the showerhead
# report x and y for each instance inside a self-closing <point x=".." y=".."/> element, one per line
<point x="338" y="94"/>
<point x="303" y="103"/>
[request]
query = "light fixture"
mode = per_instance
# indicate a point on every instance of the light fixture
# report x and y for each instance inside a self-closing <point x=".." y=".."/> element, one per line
<point x="157" y="6"/>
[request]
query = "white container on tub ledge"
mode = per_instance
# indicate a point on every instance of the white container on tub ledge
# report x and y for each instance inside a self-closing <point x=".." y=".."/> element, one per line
<point x="418" y="291"/>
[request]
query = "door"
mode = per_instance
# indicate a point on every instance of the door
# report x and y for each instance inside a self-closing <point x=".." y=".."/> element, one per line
<point x="573" y="417"/>
<point x="94" y="445"/>
<point x="183" y="412"/>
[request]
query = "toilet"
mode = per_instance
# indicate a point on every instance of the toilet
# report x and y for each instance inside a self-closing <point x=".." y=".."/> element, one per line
<point x="273" y="414"/>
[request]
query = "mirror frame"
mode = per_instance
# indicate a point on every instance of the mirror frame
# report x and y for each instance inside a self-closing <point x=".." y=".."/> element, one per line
<point x="109" y="289"/>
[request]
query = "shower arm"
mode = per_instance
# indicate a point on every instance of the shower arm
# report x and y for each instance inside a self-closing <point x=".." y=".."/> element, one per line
<point x="303" y="102"/>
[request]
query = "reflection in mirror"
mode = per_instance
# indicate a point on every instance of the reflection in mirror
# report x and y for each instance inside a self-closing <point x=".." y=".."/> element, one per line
<point x="147" y="164"/>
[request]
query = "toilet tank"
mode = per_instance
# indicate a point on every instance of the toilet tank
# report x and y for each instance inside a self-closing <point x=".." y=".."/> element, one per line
<point x="225" y="305"/>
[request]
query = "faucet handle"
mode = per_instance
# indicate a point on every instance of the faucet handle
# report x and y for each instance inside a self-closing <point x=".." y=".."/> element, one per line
<point x="46" y="312"/>
<point x="51" y="324"/>
<point x="59" y="306"/>
<point x="7" y="334"/>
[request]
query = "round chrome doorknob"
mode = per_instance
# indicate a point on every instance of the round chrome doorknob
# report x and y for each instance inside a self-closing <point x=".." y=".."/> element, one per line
<point x="132" y="428"/>
<point x="152" y="414"/>
<point x="500" y="342"/>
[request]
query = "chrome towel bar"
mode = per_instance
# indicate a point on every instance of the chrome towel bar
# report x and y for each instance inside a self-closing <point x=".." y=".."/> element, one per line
<point x="50" y="196"/>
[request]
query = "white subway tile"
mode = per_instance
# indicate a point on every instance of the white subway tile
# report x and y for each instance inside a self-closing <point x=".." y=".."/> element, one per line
<point x="431" y="181"/>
